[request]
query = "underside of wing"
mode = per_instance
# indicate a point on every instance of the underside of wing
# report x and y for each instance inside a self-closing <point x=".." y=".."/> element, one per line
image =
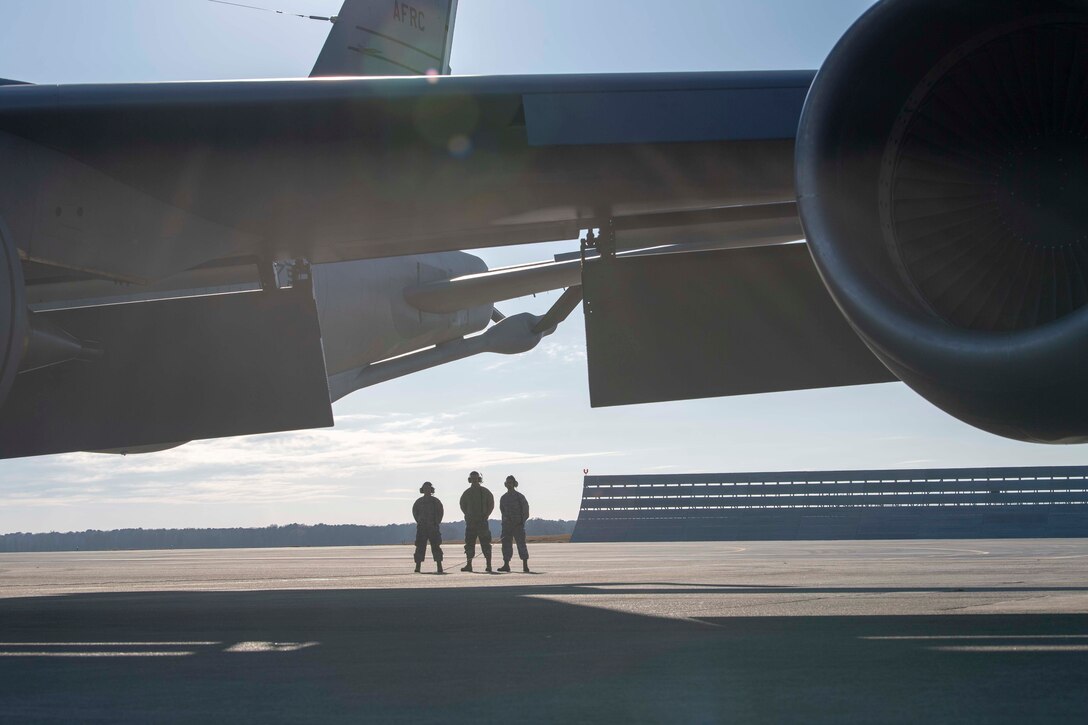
<point x="343" y="169"/>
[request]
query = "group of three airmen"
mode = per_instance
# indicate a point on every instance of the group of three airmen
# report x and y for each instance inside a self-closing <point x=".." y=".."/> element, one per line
<point x="477" y="503"/>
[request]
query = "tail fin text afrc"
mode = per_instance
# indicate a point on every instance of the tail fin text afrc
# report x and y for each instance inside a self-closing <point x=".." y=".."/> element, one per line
<point x="389" y="37"/>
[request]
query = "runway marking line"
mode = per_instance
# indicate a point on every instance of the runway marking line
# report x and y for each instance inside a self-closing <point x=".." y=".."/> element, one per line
<point x="1013" y="648"/>
<point x="105" y="653"/>
<point x="943" y="637"/>
<point x="251" y="647"/>
<point x="77" y="649"/>
<point x="109" y="644"/>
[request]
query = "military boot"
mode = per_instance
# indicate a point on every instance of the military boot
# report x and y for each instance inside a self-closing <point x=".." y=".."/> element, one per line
<point x="525" y="565"/>
<point x="439" y="567"/>
<point x="468" y="566"/>
<point x="417" y="567"/>
<point x="505" y="566"/>
<point x="489" y="565"/>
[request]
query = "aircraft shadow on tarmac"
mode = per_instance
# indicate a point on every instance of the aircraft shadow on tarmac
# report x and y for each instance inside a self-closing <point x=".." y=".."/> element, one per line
<point x="489" y="653"/>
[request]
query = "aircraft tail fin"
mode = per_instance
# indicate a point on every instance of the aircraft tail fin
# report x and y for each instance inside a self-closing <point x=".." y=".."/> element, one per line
<point x="389" y="37"/>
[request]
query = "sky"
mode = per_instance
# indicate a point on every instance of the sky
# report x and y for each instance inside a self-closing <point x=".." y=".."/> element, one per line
<point x="527" y="415"/>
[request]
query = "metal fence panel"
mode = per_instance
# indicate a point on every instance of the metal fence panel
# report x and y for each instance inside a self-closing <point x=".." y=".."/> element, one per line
<point x="1047" y="501"/>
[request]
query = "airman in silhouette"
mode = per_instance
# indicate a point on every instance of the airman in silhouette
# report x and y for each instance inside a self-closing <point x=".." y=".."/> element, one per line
<point x="428" y="512"/>
<point x="515" y="512"/>
<point x="477" y="503"/>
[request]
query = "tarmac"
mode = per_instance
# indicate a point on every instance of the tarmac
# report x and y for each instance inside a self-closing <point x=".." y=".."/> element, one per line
<point x="909" y="631"/>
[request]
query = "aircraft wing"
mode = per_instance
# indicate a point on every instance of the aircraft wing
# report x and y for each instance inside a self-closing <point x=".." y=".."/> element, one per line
<point x="174" y="185"/>
<point x="338" y="169"/>
<point x="945" y="234"/>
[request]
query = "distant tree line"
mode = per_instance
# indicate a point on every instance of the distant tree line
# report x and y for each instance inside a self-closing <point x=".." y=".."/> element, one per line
<point x="239" y="538"/>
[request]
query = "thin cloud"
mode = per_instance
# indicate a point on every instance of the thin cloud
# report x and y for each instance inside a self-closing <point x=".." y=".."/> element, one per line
<point x="517" y="398"/>
<point x="564" y="352"/>
<point x="305" y="466"/>
<point x="500" y="363"/>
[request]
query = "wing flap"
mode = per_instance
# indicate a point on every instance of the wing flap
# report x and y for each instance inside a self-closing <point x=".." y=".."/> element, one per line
<point x="711" y="324"/>
<point x="174" y="371"/>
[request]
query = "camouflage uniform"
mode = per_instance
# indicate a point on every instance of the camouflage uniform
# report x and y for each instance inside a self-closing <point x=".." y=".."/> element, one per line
<point x="515" y="512"/>
<point x="428" y="512"/>
<point x="477" y="503"/>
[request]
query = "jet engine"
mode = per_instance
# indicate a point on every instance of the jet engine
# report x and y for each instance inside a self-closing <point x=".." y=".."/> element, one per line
<point x="942" y="179"/>
<point x="12" y="312"/>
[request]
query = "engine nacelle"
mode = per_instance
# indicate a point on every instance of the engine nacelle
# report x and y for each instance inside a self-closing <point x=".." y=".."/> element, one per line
<point x="365" y="318"/>
<point x="13" y="319"/>
<point x="942" y="177"/>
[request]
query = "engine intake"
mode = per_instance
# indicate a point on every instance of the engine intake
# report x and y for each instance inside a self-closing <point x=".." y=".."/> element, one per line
<point x="942" y="175"/>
